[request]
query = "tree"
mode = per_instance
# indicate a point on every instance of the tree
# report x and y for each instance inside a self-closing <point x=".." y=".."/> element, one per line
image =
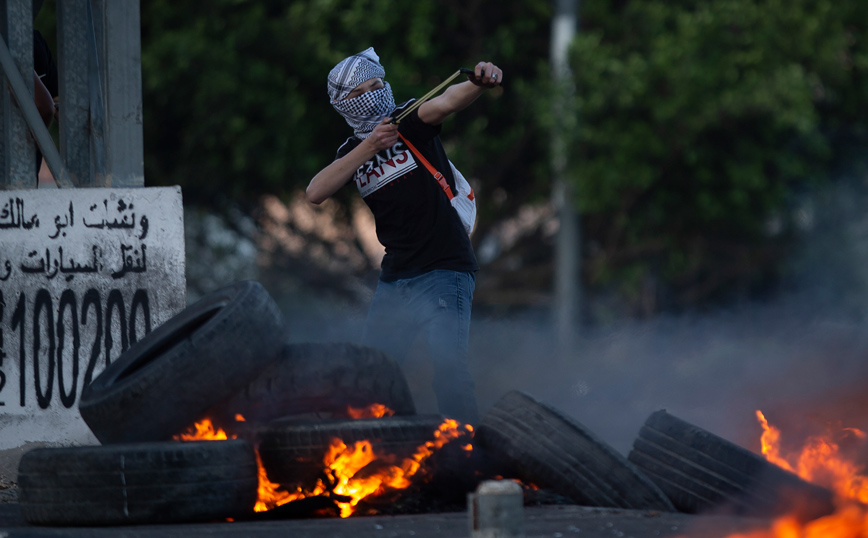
<point x="699" y="120"/>
<point x="235" y="94"/>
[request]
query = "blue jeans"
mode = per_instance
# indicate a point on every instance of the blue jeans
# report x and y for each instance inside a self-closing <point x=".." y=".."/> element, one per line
<point x="437" y="303"/>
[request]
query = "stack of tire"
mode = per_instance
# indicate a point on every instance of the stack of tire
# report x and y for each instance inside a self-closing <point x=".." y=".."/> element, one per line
<point x="539" y="445"/>
<point x="701" y="473"/>
<point x="673" y="466"/>
<point x="226" y="355"/>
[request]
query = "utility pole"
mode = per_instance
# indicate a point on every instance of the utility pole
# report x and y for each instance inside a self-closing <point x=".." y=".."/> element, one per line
<point x="17" y="148"/>
<point x="567" y="289"/>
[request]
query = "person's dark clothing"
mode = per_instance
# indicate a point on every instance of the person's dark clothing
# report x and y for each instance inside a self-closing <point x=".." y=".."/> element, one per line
<point x="43" y="63"/>
<point x="414" y="219"/>
<point x="46" y="70"/>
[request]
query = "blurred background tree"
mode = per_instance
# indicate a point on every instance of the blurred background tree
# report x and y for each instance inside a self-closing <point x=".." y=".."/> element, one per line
<point x="701" y="124"/>
<point x="235" y="91"/>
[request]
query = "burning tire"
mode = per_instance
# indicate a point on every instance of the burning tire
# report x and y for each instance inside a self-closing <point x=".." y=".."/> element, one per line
<point x="700" y="471"/>
<point x="544" y="447"/>
<point x="294" y="452"/>
<point x="321" y="380"/>
<point x="171" y="377"/>
<point x="138" y="483"/>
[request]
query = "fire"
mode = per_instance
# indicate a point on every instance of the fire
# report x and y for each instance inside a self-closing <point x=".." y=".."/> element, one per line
<point x="771" y="441"/>
<point x="372" y="411"/>
<point x="820" y="461"/>
<point x="348" y="467"/>
<point x="202" y="431"/>
<point x="346" y="462"/>
<point x="271" y="496"/>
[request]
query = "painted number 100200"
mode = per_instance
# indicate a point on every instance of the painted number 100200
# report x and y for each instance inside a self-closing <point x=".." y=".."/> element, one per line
<point x="67" y="341"/>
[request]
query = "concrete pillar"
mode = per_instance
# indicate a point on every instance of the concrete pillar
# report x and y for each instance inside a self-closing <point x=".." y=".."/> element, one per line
<point x="117" y="24"/>
<point x="17" y="147"/>
<point x="74" y="31"/>
<point x="496" y="510"/>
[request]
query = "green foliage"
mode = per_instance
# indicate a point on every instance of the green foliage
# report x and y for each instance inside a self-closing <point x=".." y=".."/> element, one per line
<point x="235" y="91"/>
<point x="697" y="119"/>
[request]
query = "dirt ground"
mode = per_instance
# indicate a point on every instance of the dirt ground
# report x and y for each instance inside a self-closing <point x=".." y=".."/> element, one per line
<point x="9" y="470"/>
<point x="542" y="521"/>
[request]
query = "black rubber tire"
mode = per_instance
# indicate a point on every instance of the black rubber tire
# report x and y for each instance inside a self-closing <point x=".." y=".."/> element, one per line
<point x="293" y="452"/>
<point x="170" y="378"/>
<point x="319" y="380"/>
<point x="167" y="482"/>
<point x="701" y="472"/>
<point x="546" y="448"/>
<point x="458" y="471"/>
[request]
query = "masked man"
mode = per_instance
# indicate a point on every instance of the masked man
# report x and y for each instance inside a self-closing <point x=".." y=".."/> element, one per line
<point x="428" y="273"/>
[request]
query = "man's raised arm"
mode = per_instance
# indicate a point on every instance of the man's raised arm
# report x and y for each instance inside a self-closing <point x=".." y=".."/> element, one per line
<point x="460" y="96"/>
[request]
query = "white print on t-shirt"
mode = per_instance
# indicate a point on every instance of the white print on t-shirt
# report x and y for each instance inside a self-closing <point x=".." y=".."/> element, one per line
<point x="381" y="171"/>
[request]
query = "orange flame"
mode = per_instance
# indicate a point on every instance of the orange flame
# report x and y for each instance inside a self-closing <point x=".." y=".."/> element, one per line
<point x="270" y="494"/>
<point x="821" y="463"/>
<point x="343" y="464"/>
<point x="372" y="411"/>
<point x="771" y="443"/>
<point x="202" y="431"/>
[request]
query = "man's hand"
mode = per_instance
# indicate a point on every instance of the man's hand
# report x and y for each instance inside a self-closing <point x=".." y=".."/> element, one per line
<point x="384" y="135"/>
<point x="486" y="75"/>
<point x="44" y="102"/>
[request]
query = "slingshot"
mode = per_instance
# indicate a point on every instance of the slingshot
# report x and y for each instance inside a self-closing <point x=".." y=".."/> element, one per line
<point x="416" y="104"/>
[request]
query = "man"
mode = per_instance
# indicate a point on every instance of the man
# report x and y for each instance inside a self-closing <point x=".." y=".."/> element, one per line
<point x="45" y="79"/>
<point x="428" y="273"/>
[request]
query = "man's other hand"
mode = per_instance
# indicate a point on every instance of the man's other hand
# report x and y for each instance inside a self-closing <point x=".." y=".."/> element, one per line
<point x="384" y="135"/>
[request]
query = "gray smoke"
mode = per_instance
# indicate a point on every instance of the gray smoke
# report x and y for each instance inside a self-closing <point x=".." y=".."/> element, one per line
<point x="800" y="358"/>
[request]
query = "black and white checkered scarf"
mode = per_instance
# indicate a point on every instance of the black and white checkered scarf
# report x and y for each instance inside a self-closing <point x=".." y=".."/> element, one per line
<point x="365" y="111"/>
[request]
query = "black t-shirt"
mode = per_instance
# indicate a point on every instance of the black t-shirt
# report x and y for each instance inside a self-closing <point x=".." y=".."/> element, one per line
<point x="44" y="64"/>
<point x="415" y="221"/>
<point x="46" y="70"/>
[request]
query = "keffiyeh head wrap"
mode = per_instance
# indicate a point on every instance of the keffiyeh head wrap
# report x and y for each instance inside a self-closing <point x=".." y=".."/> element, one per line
<point x="365" y="111"/>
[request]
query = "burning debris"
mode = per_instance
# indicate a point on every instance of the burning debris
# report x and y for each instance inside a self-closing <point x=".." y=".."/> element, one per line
<point x="316" y="430"/>
<point x="358" y="469"/>
<point x="701" y="472"/>
<point x="822" y="462"/>
<point x="348" y="473"/>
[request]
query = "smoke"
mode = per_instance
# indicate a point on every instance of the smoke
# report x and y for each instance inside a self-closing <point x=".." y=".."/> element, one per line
<point x="713" y="371"/>
<point x="800" y="357"/>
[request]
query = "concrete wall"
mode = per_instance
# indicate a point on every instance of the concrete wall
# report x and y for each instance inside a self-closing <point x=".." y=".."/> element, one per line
<point x="84" y="273"/>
